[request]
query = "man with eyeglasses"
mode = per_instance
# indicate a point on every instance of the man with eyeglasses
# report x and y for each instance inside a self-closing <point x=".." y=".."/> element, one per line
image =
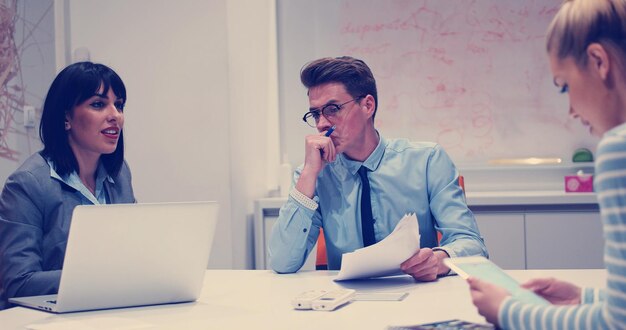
<point x="357" y="185"/>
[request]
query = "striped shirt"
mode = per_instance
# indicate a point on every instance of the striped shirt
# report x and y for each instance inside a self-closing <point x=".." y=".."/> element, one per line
<point x="600" y="309"/>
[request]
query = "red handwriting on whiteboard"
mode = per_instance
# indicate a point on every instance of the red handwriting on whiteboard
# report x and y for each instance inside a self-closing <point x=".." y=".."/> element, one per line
<point x="469" y="74"/>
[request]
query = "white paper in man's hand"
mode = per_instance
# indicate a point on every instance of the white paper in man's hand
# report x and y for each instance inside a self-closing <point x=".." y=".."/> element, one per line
<point x="383" y="258"/>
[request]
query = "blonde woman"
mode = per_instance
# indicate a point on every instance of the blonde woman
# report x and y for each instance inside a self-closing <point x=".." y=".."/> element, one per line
<point x="586" y="44"/>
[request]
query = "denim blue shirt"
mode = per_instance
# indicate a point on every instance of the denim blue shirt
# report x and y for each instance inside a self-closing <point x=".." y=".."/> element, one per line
<point x="405" y="177"/>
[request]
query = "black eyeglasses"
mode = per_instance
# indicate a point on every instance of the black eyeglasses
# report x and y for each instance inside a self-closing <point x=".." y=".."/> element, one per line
<point x="329" y="111"/>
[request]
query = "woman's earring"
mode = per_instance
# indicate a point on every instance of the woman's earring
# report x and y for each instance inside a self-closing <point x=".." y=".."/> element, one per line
<point x="67" y="125"/>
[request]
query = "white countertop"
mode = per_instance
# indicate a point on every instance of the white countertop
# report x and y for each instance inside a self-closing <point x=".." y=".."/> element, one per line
<point x="495" y="198"/>
<point x="528" y="198"/>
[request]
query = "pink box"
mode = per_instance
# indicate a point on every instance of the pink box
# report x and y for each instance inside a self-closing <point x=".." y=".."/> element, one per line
<point x="579" y="183"/>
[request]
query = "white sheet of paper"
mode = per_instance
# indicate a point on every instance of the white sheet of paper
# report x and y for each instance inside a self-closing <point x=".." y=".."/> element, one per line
<point x="383" y="258"/>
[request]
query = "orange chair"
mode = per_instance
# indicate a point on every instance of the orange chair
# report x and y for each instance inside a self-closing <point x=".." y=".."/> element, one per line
<point x="321" y="260"/>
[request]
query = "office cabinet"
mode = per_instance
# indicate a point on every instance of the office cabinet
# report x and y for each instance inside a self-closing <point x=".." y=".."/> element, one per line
<point x="544" y="237"/>
<point x="265" y="217"/>
<point x="564" y="240"/>
<point x="504" y="237"/>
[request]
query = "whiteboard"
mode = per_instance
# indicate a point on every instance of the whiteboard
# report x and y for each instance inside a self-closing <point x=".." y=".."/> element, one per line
<point x="471" y="75"/>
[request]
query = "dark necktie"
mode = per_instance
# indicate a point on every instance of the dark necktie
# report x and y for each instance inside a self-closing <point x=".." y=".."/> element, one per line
<point x="367" y="220"/>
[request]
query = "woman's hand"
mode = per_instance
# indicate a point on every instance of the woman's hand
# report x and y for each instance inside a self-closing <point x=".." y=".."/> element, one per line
<point x="487" y="298"/>
<point x="555" y="291"/>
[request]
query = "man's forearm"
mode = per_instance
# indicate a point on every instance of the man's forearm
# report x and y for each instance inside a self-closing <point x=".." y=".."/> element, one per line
<point x="306" y="183"/>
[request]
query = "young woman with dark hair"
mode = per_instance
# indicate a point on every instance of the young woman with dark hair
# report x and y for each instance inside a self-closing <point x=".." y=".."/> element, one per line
<point x="82" y="162"/>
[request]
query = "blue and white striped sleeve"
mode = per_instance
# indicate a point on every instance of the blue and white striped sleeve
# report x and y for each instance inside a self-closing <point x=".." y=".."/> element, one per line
<point x="592" y="295"/>
<point x="600" y="309"/>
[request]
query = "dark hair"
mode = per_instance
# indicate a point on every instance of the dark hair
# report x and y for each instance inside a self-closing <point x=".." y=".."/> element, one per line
<point x="71" y="87"/>
<point x="353" y="73"/>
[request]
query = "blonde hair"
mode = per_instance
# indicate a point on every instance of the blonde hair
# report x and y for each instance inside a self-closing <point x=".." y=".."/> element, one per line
<point x="579" y="23"/>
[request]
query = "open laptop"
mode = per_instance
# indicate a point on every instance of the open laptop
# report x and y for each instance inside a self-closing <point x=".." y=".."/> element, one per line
<point x="123" y="255"/>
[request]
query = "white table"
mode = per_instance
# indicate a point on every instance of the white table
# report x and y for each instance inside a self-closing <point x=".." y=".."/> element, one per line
<point x="260" y="299"/>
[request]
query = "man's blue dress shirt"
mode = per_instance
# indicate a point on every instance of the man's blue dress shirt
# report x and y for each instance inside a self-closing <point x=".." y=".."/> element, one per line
<point x="405" y="177"/>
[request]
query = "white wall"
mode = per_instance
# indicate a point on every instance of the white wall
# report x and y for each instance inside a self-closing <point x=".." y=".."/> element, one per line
<point x="253" y="114"/>
<point x="197" y="102"/>
<point x="26" y="74"/>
